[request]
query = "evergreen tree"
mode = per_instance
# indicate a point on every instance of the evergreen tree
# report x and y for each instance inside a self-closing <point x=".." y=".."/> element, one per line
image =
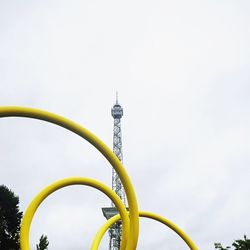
<point x="10" y="219"/>
<point x="237" y="244"/>
<point x="43" y="243"/>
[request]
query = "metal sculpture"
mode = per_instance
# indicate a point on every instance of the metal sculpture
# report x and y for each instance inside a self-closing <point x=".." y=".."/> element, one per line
<point x="130" y="223"/>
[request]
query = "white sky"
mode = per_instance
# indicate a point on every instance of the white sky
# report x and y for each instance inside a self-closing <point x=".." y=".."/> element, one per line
<point x="182" y="69"/>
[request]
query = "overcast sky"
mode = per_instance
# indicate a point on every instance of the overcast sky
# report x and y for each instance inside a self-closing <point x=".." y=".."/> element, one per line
<point x="182" y="69"/>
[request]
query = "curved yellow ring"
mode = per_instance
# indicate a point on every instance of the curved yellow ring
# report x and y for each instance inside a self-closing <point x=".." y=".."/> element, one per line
<point x="96" y="142"/>
<point x="28" y="216"/>
<point x="153" y="216"/>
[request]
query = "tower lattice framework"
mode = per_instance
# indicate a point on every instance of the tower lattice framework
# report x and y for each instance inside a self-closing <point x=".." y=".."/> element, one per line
<point x="115" y="231"/>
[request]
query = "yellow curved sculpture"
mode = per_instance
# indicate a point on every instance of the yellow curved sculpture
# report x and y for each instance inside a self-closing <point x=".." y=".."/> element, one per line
<point x="29" y="213"/>
<point x="130" y="222"/>
<point x="13" y="111"/>
<point x="168" y="223"/>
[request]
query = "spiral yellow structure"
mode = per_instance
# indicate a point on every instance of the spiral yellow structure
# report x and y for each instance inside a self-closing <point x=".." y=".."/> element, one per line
<point x="29" y="213"/>
<point x="14" y="111"/>
<point x="168" y="223"/>
<point x="130" y="222"/>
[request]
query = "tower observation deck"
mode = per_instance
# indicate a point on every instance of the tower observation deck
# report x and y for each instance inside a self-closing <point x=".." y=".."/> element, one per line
<point x="108" y="212"/>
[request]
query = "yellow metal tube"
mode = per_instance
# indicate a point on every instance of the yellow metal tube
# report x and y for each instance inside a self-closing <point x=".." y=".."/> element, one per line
<point x="29" y="213"/>
<point x="15" y="111"/>
<point x="150" y="215"/>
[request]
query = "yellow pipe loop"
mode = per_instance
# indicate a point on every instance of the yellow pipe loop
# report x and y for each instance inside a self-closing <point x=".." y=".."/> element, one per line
<point x="28" y="216"/>
<point x="14" y="111"/>
<point x="130" y="228"/>
<point x="150" y="215"/>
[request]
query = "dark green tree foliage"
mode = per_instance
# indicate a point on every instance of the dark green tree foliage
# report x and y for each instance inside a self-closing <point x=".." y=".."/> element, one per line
<point x="237" y="244"/>
<point x="10" y="219"/>
<point x="220" y="247"/>
<point x="43" y="243"/>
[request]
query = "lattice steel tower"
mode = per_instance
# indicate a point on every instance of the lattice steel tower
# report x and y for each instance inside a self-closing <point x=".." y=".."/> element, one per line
<point x="108" y="212"/>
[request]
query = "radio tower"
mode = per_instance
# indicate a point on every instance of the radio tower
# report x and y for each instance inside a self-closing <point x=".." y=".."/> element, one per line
<point x="115" y="231"/>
